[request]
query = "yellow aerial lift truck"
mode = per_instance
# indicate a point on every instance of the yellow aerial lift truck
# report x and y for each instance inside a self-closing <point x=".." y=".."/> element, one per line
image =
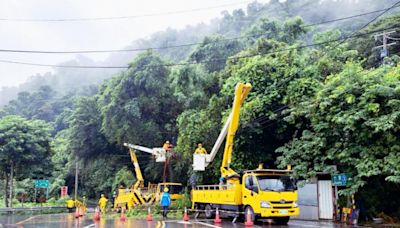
<point x="153" y="192"/>
<point x="137" y="195"/>
<point x="262" y="193"/>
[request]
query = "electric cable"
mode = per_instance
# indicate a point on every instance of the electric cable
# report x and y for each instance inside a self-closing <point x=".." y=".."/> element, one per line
<point x="121" y="17"/>
<point x="370" y="22"/>
<point x="203" y="61"/>
<point x="178" y="45"/>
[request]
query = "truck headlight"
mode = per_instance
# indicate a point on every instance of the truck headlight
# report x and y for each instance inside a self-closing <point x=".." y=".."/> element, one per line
<point x="295" y="204"/>
<point x="265" y="204"/>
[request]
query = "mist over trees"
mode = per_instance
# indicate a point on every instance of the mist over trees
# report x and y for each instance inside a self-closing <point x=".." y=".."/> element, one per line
<point x="227" y="25"/>
<point x="336" y="103"/>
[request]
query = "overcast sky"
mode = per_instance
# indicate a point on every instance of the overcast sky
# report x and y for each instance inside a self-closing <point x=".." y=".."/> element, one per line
<point x="88" y="35"/>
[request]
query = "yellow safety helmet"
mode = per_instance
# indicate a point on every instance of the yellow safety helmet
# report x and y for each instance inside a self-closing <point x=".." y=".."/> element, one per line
<point x="102" y="195"/>
<point x="166" y="189"/>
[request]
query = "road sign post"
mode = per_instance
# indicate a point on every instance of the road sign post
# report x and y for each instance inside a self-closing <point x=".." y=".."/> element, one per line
<point x="42" y="184"/>
<point x="341" y="179"/>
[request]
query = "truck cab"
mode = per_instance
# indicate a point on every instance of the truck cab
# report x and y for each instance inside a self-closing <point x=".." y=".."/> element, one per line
<point x="269" y="193"/>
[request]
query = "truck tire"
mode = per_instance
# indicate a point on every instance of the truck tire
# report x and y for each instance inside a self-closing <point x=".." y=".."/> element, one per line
<point x="250" y="210"/>
<point x="282" y="220"/>
<point x="208" y="211"/>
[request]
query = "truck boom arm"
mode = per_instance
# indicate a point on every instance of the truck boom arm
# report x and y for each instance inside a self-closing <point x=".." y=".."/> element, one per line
<point x="140" y="181"/>
<point x="159" y="153"/>
<point x="241" y="93"/>
<point x="141" y="148"/>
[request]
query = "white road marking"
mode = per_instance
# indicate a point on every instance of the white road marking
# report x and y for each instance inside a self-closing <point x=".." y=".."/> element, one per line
<point x="206" y="224"/>
<point x="91" y="225"/>
<point x="304" y="225"/>
<point x="26" y="220"/>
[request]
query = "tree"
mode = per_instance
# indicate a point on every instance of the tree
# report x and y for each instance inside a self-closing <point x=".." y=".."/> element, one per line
<point x="86" y="139"/>
<point x="24" y="149"/>
<point x="214" y="51"/>
<point x="354" y="119"/>
<point x="34" y="105"/>
<point x="138" y="105"/>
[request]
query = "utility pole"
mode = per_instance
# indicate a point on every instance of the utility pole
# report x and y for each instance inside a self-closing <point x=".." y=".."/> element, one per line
<point x="76" y="178"/>
<point x="384" y="47"/>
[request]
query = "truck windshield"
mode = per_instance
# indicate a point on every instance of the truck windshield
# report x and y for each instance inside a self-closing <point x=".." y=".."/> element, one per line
<point x="276" y="183"/>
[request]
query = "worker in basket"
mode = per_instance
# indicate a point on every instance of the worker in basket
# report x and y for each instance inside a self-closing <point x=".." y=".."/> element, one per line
<point x="200" y="149"/>
<point x="167" y="146"/>
<point x="103" y="203"/>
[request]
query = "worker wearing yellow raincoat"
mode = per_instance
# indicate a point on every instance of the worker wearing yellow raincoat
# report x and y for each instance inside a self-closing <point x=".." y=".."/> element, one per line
<point x="103" y="203"/>
<point x="200" y="149"/>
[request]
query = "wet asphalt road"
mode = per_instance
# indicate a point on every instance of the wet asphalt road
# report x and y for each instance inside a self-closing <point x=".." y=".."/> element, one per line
<point x="68" y="220"/>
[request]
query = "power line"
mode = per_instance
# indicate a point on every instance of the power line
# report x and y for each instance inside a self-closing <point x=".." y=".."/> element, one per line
<point x="204" y="61"/>
<point x="62" y="66"/>
<point x="178" y="45"/>
<point x="349" y="17"/>
<point x="271" y="122"/>
<point x="121" y="17"/>
<point x="370" y="22"/>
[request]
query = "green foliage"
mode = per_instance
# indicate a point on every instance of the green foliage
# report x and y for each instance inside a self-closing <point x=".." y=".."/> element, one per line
<point x="353" y="124"/>
<point x="138" y="106"/>
<point x="25" y="143"/>
<point x="24" y="149"/>
<point x="214" y="51"/>
<point x="85" y="139"/>
<point x="36" y="105"/>
<point x="180" y="204"/>
<point x="309" y="107"/>
<point x="123" y="177"/>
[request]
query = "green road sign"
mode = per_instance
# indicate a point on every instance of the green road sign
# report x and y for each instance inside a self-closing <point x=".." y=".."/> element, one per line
<point x="42" y="183"/>
<point x="340" y="179"/>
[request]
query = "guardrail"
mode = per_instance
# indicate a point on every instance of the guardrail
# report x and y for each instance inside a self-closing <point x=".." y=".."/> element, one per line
<point x="18" y="209"/>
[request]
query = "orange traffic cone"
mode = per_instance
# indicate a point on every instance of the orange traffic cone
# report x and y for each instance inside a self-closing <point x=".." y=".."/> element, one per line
<point x="77" y="212"/>
<point x="96" y="216"/>
<point x="185" y="215"/>
<point x="149" y="217"/>
<point x="249" y="221"/>
<point x="123" y="216"/>
<point x="217" y="218"/>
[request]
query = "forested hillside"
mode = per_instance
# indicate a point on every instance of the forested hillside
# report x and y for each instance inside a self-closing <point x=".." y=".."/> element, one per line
<point x="321" y="97"/>
<point x="228" y="25"/>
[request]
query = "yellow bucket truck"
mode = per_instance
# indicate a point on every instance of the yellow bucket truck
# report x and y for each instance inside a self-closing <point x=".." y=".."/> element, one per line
<point x="260" y="193"/>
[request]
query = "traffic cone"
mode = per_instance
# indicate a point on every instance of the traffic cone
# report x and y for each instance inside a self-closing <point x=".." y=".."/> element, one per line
<point x="77" y="212"/>
<point x="149" y="217"/>
<point x="96" y="216"/>
<point x="123" y="216"/>
<point x="217" y="218"/>
<point x="185" y="215"/>
<point x="249" y="221"/>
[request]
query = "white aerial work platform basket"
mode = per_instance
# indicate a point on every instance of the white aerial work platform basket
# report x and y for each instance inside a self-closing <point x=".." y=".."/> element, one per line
<point x="200" y="161"/>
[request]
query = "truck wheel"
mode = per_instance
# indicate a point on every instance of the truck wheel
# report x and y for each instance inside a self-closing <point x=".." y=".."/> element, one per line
<point x="208" y="211"/>
<point x="282" y="220"/>
<point x="250" y="210"/>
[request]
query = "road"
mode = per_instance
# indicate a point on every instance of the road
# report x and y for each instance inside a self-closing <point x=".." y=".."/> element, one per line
<point x="68" y="220"/>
